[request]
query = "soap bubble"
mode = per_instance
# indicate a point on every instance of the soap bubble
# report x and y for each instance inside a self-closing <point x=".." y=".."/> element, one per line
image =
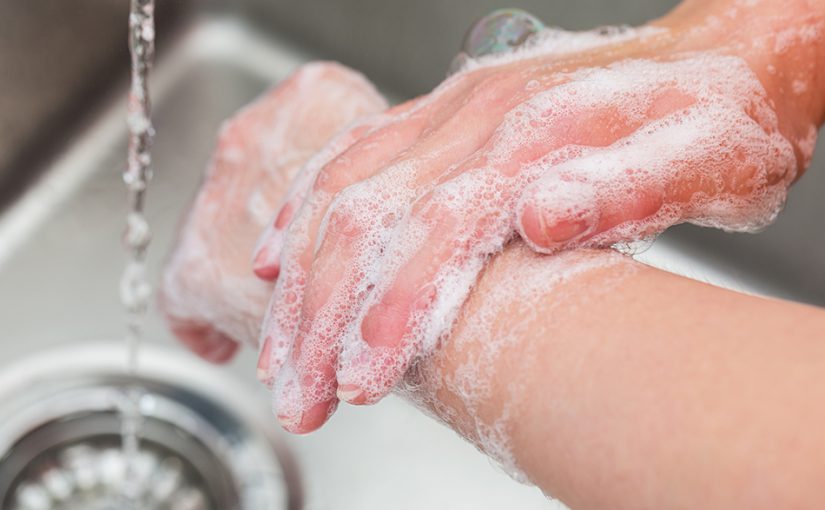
<point x="635" y="247"/>
<point x="498" y="32"/>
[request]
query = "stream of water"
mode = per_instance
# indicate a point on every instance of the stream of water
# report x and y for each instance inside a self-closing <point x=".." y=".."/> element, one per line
<point x="135" y="290"/>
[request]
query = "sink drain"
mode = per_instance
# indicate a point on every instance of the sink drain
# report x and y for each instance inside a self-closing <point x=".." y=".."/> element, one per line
<point x="204" y="445"/>
<point x="91" y="476"/>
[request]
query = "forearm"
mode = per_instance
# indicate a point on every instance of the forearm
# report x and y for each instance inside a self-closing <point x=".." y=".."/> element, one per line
<point x="628" y="387"/>
<point x="782" y="40"/>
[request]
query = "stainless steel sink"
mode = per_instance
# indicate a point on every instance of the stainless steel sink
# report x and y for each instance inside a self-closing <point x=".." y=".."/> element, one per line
<point x="60" y="253"/>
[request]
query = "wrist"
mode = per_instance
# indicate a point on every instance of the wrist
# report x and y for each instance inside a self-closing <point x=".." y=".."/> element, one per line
<point x="787" y="41"/>
<point x="783" y="42"/>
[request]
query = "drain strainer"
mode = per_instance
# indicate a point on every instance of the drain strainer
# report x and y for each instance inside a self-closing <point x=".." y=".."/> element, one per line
<point x="93" y="476"/>
<point x="203" y="444"/>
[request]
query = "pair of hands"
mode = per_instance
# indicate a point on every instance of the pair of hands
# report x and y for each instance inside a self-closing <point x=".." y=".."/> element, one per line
<point x="388" y="222"/>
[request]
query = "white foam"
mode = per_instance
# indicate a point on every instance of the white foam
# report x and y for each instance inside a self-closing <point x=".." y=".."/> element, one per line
<point x="208" y="280"/>
<point x="728" y="126"/>
<point x="700" y="118"/>
<point x="465" y="387"/>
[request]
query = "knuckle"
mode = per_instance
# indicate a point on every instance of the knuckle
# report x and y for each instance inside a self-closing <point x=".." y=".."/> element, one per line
<point x="331" y="177"/>
<point x="344" y="213"/>
<point x="491" y="90"/>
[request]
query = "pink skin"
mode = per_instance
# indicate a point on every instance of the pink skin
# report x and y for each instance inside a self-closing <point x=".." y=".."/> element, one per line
<point x="333" y="331"/>
<point x="209" y="294"/>
<point x="376" y="150"/>
<point x="266" y="263"/>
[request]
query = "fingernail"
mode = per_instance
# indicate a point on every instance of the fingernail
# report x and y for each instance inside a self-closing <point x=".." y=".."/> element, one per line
<point x="351" y="393"/>
<point x="308" y="420"/>
<point x="290" y="423"/>
<point x="264" y="267"/>
<point x="567" y="230"/>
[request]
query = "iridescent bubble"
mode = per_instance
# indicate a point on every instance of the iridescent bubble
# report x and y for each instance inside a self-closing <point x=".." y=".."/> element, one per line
<point x="637" y="247"/>
<point x="500" y="31"/>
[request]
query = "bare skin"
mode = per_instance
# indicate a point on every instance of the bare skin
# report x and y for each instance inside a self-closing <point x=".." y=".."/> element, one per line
<point x="628" y="387"/>
<point x="655" y="391"/>
<point x="636" y="388"/>
<point x="258" y="155"/>
<point x="452" y="135"/>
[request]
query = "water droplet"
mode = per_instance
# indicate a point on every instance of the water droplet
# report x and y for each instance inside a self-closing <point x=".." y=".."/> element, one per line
<point x="633" y="248"/>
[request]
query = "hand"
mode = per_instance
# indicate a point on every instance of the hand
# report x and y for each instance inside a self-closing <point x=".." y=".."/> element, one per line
<point x="209" y="294"/>
<point x="568" y="148"/>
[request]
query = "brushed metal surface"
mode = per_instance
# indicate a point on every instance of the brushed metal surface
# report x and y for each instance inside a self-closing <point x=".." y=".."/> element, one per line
<point x="56" y="59"/>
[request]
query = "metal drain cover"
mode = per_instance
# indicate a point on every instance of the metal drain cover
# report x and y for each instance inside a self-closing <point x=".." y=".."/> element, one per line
<point x="201" y="448"/>
<point x="93" y="476"/>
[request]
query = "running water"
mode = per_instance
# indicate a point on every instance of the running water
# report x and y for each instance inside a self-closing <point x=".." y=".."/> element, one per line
<point x="135" y="290"/>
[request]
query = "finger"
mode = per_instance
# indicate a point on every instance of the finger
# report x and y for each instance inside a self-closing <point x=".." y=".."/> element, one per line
<point x="371" y="153"/>
<point x="408" y="317"/>
<point x="205" y="341"/>
<point x="362" y="160"/>
<point x="708" y="166"/>
<point x="466" y="219"/>
<point x="308" y="379"/>
<point x="359" y="220"/>
<point x="266" y="258"/>
<point x="336" y="96"/>
<point x="207" y="292"/>
<point x="288" y="401"/>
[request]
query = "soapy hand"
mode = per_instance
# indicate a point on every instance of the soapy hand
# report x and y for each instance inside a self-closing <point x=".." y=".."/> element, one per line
<point x="579" y="140"/>
<point x="209" y="294"/>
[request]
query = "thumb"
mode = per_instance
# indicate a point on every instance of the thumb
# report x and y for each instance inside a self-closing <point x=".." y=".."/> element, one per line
<point x="733" y="177"/>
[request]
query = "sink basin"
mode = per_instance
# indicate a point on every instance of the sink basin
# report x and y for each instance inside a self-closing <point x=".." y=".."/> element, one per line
<point x="61" y="258"/>
<point x="201" y="448"/>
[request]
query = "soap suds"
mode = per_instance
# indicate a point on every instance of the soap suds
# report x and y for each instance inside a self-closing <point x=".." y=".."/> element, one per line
<point x="208" y="282"/>
<point x="463" y="388"/>
<point x="729" y="107"/>
<point x="700" y="120"/>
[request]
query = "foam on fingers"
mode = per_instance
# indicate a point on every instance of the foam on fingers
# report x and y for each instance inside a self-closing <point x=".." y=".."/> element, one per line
<point x="476" y="381"/>
<point x="689" y="166"/>
<point x="697" y="140"/>
<point x="369" y="184"/>
<point x="208" y="281"/>
<point x="374" y="150"/>
<point x="267" y="253"/>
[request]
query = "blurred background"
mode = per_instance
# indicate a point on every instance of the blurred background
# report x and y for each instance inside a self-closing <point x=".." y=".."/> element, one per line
<point x="57" y="56"/>
<point x="63" y="79"/>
